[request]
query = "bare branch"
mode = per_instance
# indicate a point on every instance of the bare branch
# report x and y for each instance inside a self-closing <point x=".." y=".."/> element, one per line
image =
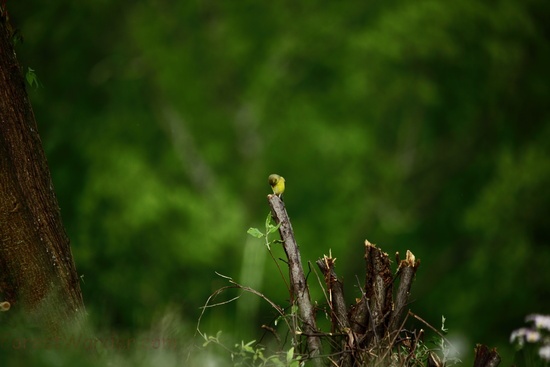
<point x="298" y="285"/>
<point x="338" y="309"/>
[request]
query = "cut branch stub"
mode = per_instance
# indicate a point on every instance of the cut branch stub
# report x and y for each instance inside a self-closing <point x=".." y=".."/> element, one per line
<point x="335" y="289"/>
<point x="378" y="288"/>
<point x="485" y="357"/>
<point x="406" y="271"/>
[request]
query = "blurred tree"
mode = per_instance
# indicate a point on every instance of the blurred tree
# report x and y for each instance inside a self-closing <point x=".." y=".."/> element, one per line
<point x="37" y="273"/>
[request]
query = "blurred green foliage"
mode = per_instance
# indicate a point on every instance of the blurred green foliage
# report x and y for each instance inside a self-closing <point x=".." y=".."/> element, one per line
<point x="418" y="125"/>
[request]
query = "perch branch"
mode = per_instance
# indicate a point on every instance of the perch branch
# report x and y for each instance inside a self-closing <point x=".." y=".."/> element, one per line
<point x="298" y="285"/>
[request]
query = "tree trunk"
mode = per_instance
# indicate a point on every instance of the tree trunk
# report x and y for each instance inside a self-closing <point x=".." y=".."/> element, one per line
<point x="38" y="278"/>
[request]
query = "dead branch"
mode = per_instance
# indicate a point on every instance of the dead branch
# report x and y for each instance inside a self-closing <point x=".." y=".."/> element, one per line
<point x="337" y="304"/>
<point x="406" y="271"/>
<point x="378" y="290"/>
<point x="298" y="285"/>
<point x="235" y="285"/>
<point x="338" y="309"/>
<point x="359" y="316"/>
<point x="375" y="316"/>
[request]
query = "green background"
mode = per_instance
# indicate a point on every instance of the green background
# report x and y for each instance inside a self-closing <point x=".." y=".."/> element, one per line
<point x="416" y="125"/>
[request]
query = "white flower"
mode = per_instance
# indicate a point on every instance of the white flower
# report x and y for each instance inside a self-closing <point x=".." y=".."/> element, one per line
<point x="524" y="334"/>
<point x="532" y="336"/>
<point x="540" y="321"/>
<point x="544" y="352"/>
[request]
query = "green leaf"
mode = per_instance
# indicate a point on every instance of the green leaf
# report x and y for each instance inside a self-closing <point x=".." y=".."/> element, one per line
<point x="443" y="324"/>
<point x="290" y="355"/>
<point x="32" y="79"/>
<point x="212" y="339"/>
<point x="273" y="228"/>
<point x="255" y="232"/>
<point x="268" y="220"/>
<point x="270" y="228"/>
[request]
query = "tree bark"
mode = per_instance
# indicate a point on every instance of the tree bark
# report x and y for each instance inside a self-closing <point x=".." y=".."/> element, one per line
<point x="37" y="274"/>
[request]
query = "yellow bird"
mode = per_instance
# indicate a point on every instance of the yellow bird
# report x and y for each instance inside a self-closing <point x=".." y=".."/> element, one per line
<point x="277" y="184"/>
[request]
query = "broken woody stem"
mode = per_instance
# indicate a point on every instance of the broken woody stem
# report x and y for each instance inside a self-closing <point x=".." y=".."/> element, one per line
<point x="298" y="286"/>
<point x="372" y="318"/>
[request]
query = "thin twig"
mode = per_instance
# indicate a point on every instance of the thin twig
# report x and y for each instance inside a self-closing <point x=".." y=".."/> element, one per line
<point x="392" y="343"/>
<point x="277" y="263"/>
<point x="236" y="285"/>
<point x="433" y="328"/>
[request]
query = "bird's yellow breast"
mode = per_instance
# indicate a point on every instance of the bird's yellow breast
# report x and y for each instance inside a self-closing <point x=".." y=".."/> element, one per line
<point x="277" y="184"/>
